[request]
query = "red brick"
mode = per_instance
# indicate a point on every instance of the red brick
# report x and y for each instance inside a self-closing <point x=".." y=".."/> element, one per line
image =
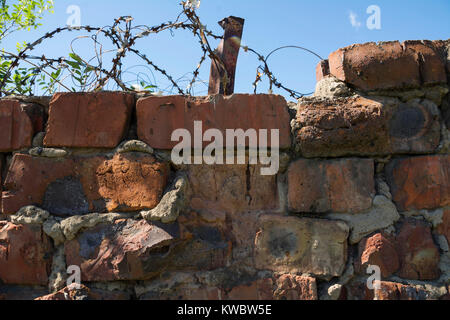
<point x="443" y="47"/>
<point x="1" y="180"/>
<point x="420" y="182"/>
<point x="388" y="65"/>
<point x="71" y="292"/>
<point x="419" y="256"/>
<point x="184" y="293"/>
<point x="293" y="287"/>
<point x="446" y="296"/>
<point x="117" y="254"/>
<point x="378" y="250"/>
<point x="345" y="185"/>
<point x="341" y="127"/>
<point x="432" y="68"/>
<point x="358" y="290"/>
<point x="444" y="227"/>
<point x="138" y="250"/>
<point x="281" y="287"/>
<point x="21" y="293"/>
<point x="78" y="185"/>
<point x="361" y="126"/>
<point x="290" y="244"/>
<point x="322" y="70"/>
<point x="260" y="289"/>
<point x="132" y="182"/>
<point x="88" y="119"/>
<point x="158" y="117"/>
<point x="231" y="188"/>
<point x="25" y="254"/>
<point x="18" y="123"/>
<point x="397" y="291"/>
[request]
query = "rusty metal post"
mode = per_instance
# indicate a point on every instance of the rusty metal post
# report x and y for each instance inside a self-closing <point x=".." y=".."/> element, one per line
<point x="221" y="81"/>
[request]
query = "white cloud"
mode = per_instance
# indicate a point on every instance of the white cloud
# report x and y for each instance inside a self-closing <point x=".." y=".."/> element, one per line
<point x="354" y="20"/>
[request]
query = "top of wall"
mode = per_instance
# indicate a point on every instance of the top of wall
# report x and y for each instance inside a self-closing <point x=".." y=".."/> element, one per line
<point x="389" y="65"/>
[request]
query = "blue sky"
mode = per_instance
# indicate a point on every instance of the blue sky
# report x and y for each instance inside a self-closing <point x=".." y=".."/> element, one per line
<point x="322" y="26"/>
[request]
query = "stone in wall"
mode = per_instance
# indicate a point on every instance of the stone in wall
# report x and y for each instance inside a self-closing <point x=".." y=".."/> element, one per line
<point x="187" y="286"/>
<point x="25" y="254"/>
<point x="305" y="245"/>
<point x="158" y="117"/>
<point x="419" y="182"/>
<point x="72" y="292"/>
<point x="443" y="47"/>
<point x="2" y="159"/>
<point x="388" y="65"/>
<point x="357" y="290"/>
<point x="139" y="250"/>
<point x="380" y="250"/>
<point x="397" y="291"/>
<point x="287" y="287"/>
<point x="89" y="120"/>
<point x="341" y="126"/>
<point x="21" y="293"/>
<point x="82" y="184"/>
<point x="419" y="255"/>
<point x="361" y="126"/>
<point x="414" y="127"/>
<point x="322" y="70"/>
<point x="443" y="228"/>
<point x="344" y="185"/>
<point x="231" y="188"/>
<point x="18" y="123"/>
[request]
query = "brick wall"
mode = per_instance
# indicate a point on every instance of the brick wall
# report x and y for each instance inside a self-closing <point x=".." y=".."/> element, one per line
<point x="364" y="179"/>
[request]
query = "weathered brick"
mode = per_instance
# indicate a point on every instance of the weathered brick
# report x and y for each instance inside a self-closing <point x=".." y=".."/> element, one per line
<point x="362" y="126"/>
<point x="21" y="293"/>
<point x="388" y="65"/>
<point x="138" y="250"/>
<point x="1" y="180"/>
<point x="443" y="228"/>
<point x="188" y="286"/>
<point x="82" y="184"/>
<point x="231" y="188"/>
<point x="431" y="66"/>
<point x="419" y="255"/>
<point x="294" y="287"/>
<point x="291" y="244"/>
<point x="281" y="287"/>
<point x="158" y="117"/>
<point x="397" y="291"/>
<point x="344" y="185"/>
<point x="88" y="119"/>
<point x="18" y="123"/>
<point x="132" y="182"/>
<point x="116" y="252"/>
<point x="443" y="48"/>
<point x="184" y="293"/>
<point x="25" y="254"/>
<point x="322" y="70"/>
<point x="71" y="292"/>
<point x="379" y="250"/>
<point x="419" y="182"/>
<point x="261" y="289"/>
<point x="342" y="126"/>
<point x="358" y="290"/>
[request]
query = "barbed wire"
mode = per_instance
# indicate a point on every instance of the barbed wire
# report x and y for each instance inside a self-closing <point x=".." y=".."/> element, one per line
<point x="93" y="75"/>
